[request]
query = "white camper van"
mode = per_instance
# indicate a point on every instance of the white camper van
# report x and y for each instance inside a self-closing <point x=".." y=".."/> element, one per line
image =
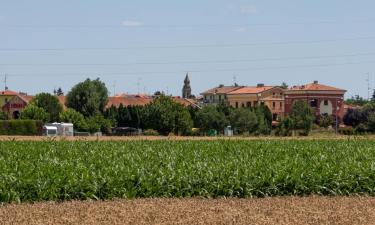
<point x="62" y="129"/>
<point x="50" y="131"/>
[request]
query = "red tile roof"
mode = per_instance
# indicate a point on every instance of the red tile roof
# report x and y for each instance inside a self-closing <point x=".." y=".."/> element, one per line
<point x="315" y="87"/>
<point x="186" y="102"/>
<point x="8" y="92"/>
<point x="251" y="90"/>
<point x="221" y="90"/>
<point x="127" y="100"/>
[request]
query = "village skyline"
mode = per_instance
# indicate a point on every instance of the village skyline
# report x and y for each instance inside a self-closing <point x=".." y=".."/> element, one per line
<point x="150" y="46"/>
<point x="113" y="91"/>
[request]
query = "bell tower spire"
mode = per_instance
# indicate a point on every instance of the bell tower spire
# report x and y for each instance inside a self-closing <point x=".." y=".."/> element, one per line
<point x="186" y="90"/>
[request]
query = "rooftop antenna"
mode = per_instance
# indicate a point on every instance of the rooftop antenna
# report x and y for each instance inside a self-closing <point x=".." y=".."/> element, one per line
<point x="138" y="84"/>
<point x="234" y="80"/>
<point x="114" y="88"/>
<point x="167" y="90"/>
<point x="368" y="86"/>
<point x="5" y="82"/>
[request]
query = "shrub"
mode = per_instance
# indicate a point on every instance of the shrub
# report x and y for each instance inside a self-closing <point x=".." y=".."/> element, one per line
<point x="21" y="127"/>
<point x="150" y="132"/>
<point x="347" y="131"/>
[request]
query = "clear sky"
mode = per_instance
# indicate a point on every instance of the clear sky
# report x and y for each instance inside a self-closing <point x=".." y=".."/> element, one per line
<point x="150" y="45"/>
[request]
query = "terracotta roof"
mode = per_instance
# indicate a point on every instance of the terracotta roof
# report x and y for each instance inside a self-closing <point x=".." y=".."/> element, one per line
<point x="8" y="92"/>
<point x="221" y="90"/>
<point x="26" y="98"/>
<point x="251" y="90"/>
<point x="127" y="100"/>
<point x="186" y="102"/>
<point x="315" y="87"/>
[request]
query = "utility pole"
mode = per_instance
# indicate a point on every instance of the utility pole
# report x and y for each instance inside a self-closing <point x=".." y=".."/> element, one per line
<point x="368" y="86"/>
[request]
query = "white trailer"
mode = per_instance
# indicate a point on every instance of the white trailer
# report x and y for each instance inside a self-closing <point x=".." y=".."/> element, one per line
<point x="62" y="129"/>
<point x="50" y="131"/>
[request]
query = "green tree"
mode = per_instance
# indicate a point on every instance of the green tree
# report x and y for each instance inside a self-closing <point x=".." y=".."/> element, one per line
<point x="89" y="97"/>
<point x="373" y="96"/>
<point x="243" y="120"/>
<point x="210" y="118"/>
<point x="98" y="123"/>
<point x="112" y="115"/>
<point x="356" y="100"/>
<point x="74" y="117"/>
<point x="167" y="116"/>
<point x="50" y="104"/>
<point x="34" y="112"/>
<point x="285" y="127"/>
<point x="303" y="117"/>
<point x="264" y="116"/>
<point x="325" y="120"/>
<point x="284" y="85"/>
<point x="3" y="116"/>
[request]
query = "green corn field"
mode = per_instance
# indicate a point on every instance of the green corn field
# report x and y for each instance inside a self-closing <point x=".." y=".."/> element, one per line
<point x="64" y="170"/>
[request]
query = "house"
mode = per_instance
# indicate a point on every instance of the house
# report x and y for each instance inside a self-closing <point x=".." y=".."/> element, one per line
<point x="322" y="98"/>
<point x="218" y="95"/>
<point x="13" y="103"/>
<point x="251" y="96"/>
<point x="6" y="95"/>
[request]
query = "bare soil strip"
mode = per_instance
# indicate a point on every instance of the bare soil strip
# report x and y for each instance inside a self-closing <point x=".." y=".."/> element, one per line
<point x="286" y="210"/>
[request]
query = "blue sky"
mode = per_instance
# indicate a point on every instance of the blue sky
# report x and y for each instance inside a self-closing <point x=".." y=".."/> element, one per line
<point x="150" y="45"/>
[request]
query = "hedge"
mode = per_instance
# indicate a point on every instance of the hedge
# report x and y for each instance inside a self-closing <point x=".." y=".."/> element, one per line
<point x="21" y="127"/>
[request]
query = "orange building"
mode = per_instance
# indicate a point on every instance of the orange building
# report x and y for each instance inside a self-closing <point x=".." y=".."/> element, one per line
<point x="271" y="96"/>
<point x="322" y="98"/>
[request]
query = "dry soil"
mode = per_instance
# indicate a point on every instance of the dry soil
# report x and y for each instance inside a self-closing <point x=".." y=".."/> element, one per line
<point x="287" y="210"/>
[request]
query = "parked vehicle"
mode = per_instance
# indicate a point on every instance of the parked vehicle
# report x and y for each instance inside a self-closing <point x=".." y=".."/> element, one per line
<point x="62" y="129"/>
<point x="50" y="131"/>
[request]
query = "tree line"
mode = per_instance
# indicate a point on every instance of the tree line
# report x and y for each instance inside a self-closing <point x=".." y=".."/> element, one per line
<point x="86" y="108"/>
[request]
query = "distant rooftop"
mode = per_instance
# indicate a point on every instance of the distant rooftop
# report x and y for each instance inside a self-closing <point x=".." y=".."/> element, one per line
<point x="315" y="86"/>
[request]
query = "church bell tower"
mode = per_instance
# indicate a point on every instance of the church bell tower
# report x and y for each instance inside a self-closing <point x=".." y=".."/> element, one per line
<point x="186" y="90"/>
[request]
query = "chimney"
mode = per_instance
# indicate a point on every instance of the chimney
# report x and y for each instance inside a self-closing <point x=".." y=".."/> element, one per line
<point x="316" y="82"/>
<point x="260" y="85"/>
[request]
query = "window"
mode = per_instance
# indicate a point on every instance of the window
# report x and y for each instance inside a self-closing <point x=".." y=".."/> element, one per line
<point x="273" y="104"/>
<point x="236" y="104"/>
<point x="325" y="102"/>
<point x="243" y="105"/>
<point x="219" y="97"/>
<point x="274" y="94"/>
<point x="262" y="103"/>
<point x="314" y="103"/>
<point x="248" y="104"/>
<point x="281" y="105"/>
<point x="6" y="100"/>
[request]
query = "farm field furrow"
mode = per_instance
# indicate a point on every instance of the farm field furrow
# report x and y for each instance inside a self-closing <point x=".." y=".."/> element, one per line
<point x="285" y="210"/>
<point x="76" y="170"/>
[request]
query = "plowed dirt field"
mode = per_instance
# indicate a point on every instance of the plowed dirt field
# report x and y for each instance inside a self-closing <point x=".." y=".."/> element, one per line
<point x="286" y="210"/>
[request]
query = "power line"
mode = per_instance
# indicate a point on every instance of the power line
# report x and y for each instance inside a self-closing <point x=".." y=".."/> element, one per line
<point x="192" y="46"/>
<point x="180" y="26"/>
<point x="200" y="71"/>
<point x="193" y="62"/>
